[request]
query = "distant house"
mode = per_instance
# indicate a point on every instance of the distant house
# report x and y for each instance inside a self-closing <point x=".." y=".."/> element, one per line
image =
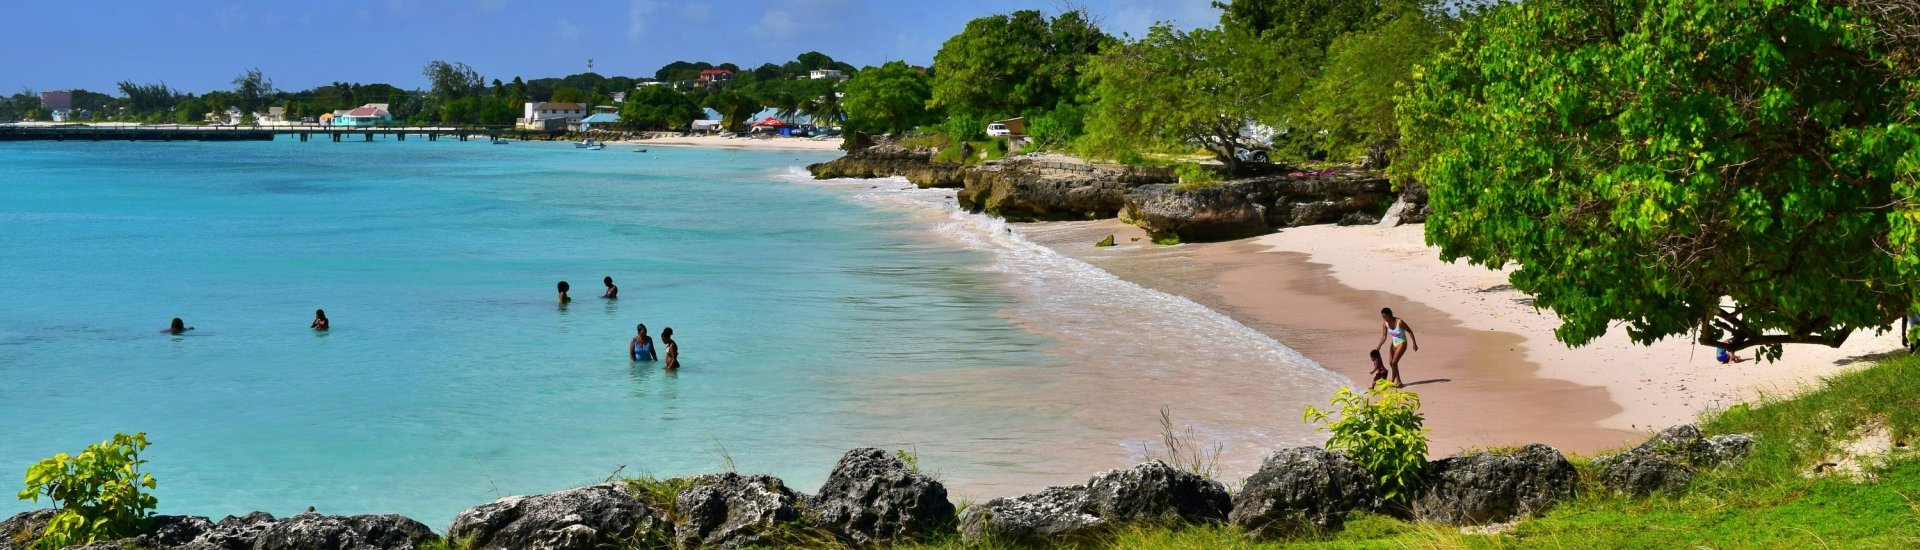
<point x="550" y="116"/>
<point x="230" y="116"/>
<point x="371" y="114"/>
<point x="273" y="115"/>
<point x="62" y="115"/>
<point x="711" y="77"/>
<point x="707" y="125"/>
<point x="818" y="74"/>
<point x="647" y="82"/>
<point x="593" y="120"/>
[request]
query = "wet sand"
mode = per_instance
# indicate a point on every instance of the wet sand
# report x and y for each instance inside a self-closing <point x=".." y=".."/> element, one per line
<point x="1489" y="372"/>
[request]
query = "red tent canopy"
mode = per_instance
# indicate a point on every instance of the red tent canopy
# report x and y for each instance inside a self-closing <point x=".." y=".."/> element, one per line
<point x="769" y="122"/>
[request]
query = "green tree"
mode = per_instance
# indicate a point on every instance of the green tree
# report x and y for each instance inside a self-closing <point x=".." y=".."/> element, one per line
<point x="1353" y="97"/>
<point x="568" y="95"/>
<point x="1014" y="64"/>
<point x="1743" y="173"/>
<point x="656" y="107"/>
<point x="250" y="90"/>
<point x="1309" y="25"/>
<point x="734" y="106"/>
<point x="892" y="96"/>
<point x="1174" y="89"/>
<point x="451" y="81"/>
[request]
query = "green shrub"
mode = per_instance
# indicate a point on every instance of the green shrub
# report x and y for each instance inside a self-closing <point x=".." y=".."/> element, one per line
<point x="1381" y="431"/>
<point x="965" y="128"/>
<point x="1194" y="176"/>
<point x="98" y="492"/>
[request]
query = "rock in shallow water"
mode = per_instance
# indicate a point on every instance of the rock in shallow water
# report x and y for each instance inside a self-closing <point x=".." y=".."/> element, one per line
<point x="583" y="518"/>
<point x="875" y="498"/>
<point x="1303" y="490"/>
<point x="1486" y="487"/>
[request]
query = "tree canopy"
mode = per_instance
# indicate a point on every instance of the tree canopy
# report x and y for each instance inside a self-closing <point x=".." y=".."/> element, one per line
<point x="655" y="107"/>
<point x="1014" y="64"/>
<point x="1744" y="175"/>
<point x="891" y="97"/>
<point x="1177" y="88"/>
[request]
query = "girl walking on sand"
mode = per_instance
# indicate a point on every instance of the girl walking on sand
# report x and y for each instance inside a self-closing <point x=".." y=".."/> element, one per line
<point x="1401" y="333"/>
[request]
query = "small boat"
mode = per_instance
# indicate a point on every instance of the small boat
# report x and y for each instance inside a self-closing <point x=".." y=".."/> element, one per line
<point x="639" y="150"/>
<point x="588" y="143"/>
<point x="498" y="141"/>
<point x="596" y="147"/>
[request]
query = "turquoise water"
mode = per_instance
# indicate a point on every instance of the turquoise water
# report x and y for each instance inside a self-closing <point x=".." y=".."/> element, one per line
<point x="450" y="374"/>
<point x="813" y="318"/>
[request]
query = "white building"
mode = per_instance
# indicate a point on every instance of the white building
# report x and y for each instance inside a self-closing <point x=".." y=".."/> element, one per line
<point x="818" y="74"/>
<point x="551" y="116"/>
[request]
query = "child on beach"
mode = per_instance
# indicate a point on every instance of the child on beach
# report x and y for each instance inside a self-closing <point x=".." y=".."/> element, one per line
<point x="640" y="348"/>
<point x="1725" y="357"/>
<point x="320" y="320"/>
<point x="1379" y="367"/>
<point x="673" y="349"/>
<point x="563" y="293"/>
<point x="613" y="292"/>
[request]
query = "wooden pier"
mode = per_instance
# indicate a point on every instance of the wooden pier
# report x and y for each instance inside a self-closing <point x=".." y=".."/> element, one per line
<point x="169" y="132"/>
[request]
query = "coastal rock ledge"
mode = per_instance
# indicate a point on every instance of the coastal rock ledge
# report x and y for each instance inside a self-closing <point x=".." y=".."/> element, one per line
<point x="254" y="531"/>
<point x="1255" y="206"/>
<point x="1153" y="493"/>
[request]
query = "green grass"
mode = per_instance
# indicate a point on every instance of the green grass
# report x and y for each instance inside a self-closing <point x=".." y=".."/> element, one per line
<point x="1766" y="501"/>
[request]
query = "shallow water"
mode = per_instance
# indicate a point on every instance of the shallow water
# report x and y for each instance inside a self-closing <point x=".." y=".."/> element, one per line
<point x="814" y="317"/>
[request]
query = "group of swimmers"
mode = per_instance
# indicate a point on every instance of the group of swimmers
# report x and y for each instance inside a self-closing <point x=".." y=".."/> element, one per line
<point x="640" y="348"/>
<point x="320" y="323"/>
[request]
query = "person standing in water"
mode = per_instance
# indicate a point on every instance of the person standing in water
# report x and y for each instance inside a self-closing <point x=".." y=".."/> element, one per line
<point x="1396" y="329"/>
<point x="673" y="349"/>
<point x="613" y="292"/>
<point x="563" y="293"/>
<point x="177" y="327"/>
<point x="320" y="320"/>
<point x="640" y="348"/>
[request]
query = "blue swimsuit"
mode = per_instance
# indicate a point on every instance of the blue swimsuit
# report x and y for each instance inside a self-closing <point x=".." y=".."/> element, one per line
<point x="644" y="351"/>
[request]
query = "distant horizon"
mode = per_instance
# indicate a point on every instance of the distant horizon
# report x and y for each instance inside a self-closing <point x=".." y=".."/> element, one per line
<point x="200" y="48"/>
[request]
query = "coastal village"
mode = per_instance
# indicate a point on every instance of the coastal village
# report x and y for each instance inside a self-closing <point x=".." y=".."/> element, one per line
<point x="1659" y="254"/>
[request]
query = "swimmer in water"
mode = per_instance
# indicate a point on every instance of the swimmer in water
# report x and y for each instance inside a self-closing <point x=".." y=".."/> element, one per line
<point x="177" y="327"/>
<point x="613" y="292"/>
<point x="563" y="292"/>
<point x="640" y="348"/>
<point x="673" y="349"/>
<point x="320" y="320"/>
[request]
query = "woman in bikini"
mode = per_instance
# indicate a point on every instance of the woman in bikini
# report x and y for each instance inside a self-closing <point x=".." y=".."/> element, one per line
<point x="1401" y="333"/>
<point x="673" y="350"/>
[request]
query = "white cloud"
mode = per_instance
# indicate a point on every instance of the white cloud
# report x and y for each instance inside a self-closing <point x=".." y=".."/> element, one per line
<point x="638" y="12"/>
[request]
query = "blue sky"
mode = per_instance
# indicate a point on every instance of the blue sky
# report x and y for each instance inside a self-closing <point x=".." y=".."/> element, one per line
<point x="199" y="45"/>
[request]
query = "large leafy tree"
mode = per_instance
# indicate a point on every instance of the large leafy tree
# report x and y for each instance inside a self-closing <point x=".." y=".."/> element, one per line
<point x="892" y="96"/>
<point x="734" y="106"/>
<point x="1351" y="99"/>
<point x="1014" y="64"/>
<point x="659" y="107"/>
<point x="1742" y="173"/>
<point x="451" y="81"/>
<point x="1172" y="89"/>
<point x="250" y="90"/>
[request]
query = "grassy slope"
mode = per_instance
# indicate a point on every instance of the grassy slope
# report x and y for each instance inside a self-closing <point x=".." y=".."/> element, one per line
<point x="1765" y="502"/>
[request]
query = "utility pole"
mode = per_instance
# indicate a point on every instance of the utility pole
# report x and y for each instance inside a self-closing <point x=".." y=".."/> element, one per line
<point x="589" y="64"/>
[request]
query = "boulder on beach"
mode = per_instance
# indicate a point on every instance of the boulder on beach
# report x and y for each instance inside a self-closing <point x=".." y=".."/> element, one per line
<point x="1303" y="490"/>
<point x="732" y="511"/>
<point x="583" y="518"/>
<point x="874" y="498"/>
<point x="1204" y="214"/>
<point x="1488" y="487"/>
<point x="1054" y="514"/>
<point x="1666" y="462"/>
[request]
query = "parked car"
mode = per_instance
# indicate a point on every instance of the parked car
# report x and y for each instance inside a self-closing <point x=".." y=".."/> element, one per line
<point x="998" y="130"/>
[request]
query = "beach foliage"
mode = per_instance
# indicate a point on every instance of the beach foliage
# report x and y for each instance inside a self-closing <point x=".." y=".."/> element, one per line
<point x="1350" y="101"/>
<point x="892" y="98"/>
<point x="1382" y="431"/>
<point x="251" y="90"/>
<point x="1745" y="174"/>
<point x="1176" y="89"/>
<point x="100" y="494"/>
<point x="1014" y="64"/>
<point x="734" y="105"/>
<point x="655" y="107"/>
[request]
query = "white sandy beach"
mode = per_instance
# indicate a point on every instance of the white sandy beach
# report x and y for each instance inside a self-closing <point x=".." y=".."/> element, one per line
<point x="770" y="143"/>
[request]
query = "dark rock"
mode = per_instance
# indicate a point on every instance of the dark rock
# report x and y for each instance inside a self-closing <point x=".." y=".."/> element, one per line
<point x="732" y="511"/>
<point x="1194" y="215"/>
<point x="874" y="498"/>
<point x="1052" y="515"/>
<point x="583" y="518"/>
<point x="1409" y="207"/>
<point x="889" y="160"/>
<point x="1104" y="242"/>
<point x="1666" y="462"/>
<point x="172" y="531"/>
<point x="1039" y="189"/>
<point x="1156" y="493"/>
<point x="18" y="532"/>
<point x="1357" y="218"/>
<point x="1484" y="487"/>
<point x="233" y="533"/>
<point x="312" y="531"/>
<point x="1303" y="490"/>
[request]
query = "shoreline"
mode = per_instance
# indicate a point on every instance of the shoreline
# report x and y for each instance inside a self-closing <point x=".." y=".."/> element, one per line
<point x="717" y="142"/>
<point x="1489" y="373"/>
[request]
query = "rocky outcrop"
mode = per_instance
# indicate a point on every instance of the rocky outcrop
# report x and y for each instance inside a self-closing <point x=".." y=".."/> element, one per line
<point x="1487" y="487"/>
<point x="1055" y="514"/>
<point x="1156" y="493"/>
<point x="874" y="498"/>
<point x="18" y="532"/>
<point x="1150" y="493"/>
<point x="1410" y="206"/>
<point x="1253" y="206"/>
<point x="733" y="511"/>
<point x="1303" y="490"/>
<point x="1052" y="188"/>
<point x="889" y="160"/>
<point x="312" y="531"/>
<point x="1666" y="462"/>
<point x="583" y="518"/>
<point x="177" y="531"/>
